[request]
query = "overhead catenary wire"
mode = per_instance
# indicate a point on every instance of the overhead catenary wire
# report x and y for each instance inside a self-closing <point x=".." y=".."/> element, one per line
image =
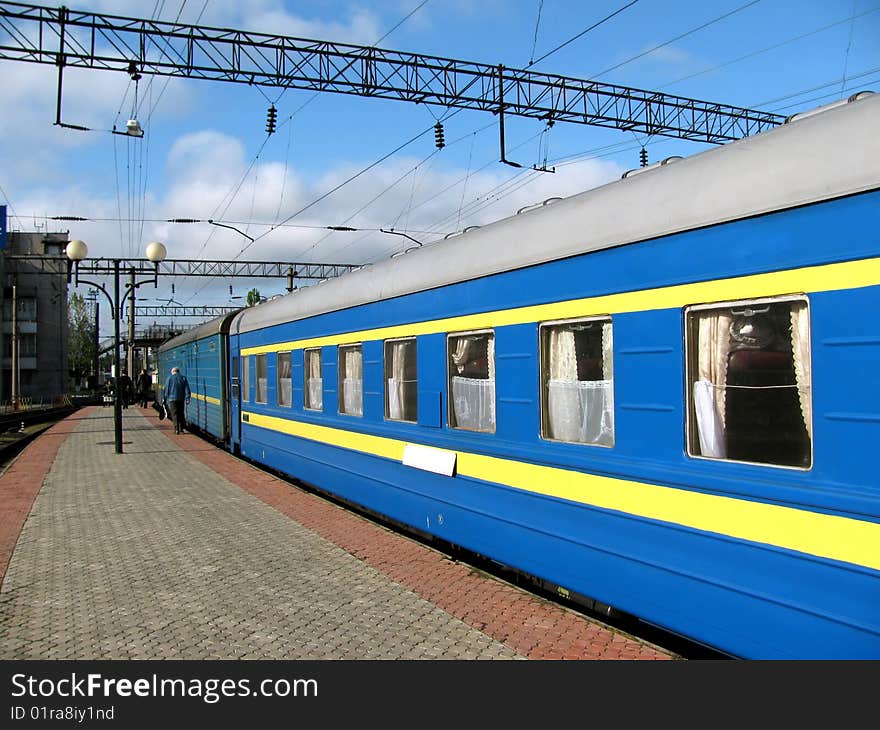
<point x="825" y="85"/>
<point x="460" y="206"/>
<point x="315" y="202"/>
<point x="537" y="25"/>
<point x="389" y="187"/>
<point x="677" y="38"/>
<point x="231" y="196"/>
<point x="316" y="94"/>
<point x="773" y="47"/>
<point x="168" y="79"/>
<point x="346" y="182"/>
<point x="848" y="46"/>
<point x="324" y="196"/>
<point x="9" y="203"/>
<point x="185" y="220"/>
<point x="584" y="32"/>
<point x="831" y="95"/>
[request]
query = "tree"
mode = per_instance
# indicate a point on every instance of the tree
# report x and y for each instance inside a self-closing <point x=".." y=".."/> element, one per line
<point x="81" y="343"/>
<point x="253" y="297"/>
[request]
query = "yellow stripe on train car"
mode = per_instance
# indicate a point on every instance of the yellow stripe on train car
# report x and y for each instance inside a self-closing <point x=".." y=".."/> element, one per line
<point x="827" y="536"/>
<point x="206" y="398"/>
<point x="830" y="277"/>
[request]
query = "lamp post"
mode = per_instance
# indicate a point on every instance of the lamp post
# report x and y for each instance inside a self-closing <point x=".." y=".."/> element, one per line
<point x="77" y="251"/>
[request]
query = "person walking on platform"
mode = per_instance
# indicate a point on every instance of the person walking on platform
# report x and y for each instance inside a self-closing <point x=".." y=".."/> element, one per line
<point x="144" y="386"/>
<point x="126" y="387"/>
<point x="177" y="395"/>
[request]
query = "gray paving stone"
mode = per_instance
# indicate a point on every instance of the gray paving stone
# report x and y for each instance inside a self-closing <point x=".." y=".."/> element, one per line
<point x="152" y="555"/>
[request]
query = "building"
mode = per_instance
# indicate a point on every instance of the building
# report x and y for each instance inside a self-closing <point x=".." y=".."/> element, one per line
<point x="36" y="290"/>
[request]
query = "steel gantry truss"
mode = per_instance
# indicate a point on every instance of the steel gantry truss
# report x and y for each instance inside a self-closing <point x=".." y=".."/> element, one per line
<point x="188" y="267"/>
<point x="64" y="37"/>
<point x="183" y="311"/>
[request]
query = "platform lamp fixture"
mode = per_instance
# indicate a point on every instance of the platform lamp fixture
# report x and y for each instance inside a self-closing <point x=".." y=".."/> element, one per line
<point x="76" y="252"/>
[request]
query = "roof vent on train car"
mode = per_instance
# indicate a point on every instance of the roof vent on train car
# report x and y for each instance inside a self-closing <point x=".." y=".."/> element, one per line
<point x="458" y="233"/>
<point x="406" y="250"/>
<point x="549" y="201"/>
<point x="640" y="170"/>
<point x="833" y="105"/>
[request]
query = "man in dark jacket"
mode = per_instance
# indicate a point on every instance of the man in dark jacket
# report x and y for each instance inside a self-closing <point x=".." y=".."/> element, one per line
<point x="177" y="395"/>
<point x="126" y="387"/>
<point x="144" y="386"/>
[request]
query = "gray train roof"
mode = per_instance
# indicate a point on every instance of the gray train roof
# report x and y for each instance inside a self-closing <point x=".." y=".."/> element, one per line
<point x="211" y="327"/>
<point x="821" y="156"/>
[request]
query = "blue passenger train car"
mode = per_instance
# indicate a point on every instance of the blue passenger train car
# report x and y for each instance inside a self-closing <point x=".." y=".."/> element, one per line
<point x="202" y="354"/>
<point x="660" y="393"/>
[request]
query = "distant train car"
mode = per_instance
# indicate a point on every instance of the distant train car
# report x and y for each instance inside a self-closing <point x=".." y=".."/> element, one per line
<point x="660" y="393"/>
<point x="202" y="354"/>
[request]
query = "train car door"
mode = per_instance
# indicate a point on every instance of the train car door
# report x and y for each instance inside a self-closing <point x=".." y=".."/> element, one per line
<point x="234" y="395"/>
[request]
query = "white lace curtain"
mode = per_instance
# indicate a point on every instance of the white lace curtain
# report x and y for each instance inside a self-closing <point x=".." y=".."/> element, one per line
<point x="800" y="347"/>
<point x="397" y="383"/>
<point x="579" y="411"/>
<point x="352" y="381"/>
<point x="473" y="399"/>
<point x="314" y="381"/>
<point x="284" y="384"/>
<point x="710" y="387"/>
<point x="262" y="393"/>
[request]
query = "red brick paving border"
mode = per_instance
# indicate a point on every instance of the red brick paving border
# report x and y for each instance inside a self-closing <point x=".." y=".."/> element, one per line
<point x="21" y="483"/>
<point x="529" y="625"/>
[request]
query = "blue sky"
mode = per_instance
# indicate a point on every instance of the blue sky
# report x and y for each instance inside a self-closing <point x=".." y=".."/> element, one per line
<point x="206" y="154"/>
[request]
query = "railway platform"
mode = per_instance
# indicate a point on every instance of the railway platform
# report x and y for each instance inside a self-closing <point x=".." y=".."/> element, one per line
<point x="178" y="550"/>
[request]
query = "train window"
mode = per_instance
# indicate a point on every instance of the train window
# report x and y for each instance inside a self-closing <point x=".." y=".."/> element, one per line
<point x="314" y="383"/>
<point x="262" y="383"/>
<point x="749" y="382"/>
<point x="351" y="380"/>
<point x="234" y="380"/>
<point x="246" y="378"/>
<point x="471" y="367"/>
<point x="577" y="379"/>
<point x="284" y="384"/>
<point x="401" y="391"/>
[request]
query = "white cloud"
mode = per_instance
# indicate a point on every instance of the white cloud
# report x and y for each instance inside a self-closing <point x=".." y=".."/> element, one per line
<point x="200" y="171"/>
<point x="362" y="26"/>
<point x="670" y="54"/>
<point x="34" y="148"/>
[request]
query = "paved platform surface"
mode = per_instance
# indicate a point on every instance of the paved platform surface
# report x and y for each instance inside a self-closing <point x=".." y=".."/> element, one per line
<point x="177" y="550"/>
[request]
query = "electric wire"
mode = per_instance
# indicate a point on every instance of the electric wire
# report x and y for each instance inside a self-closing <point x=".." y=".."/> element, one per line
<point x="834" y="95"/>
<point x="848" y="46"/>
<point x="323" y="197"/>
<point x="825" y="85"/>
<point x="9" y="204"/>
<point x="843" y="81"/>
<point x="316" y="94"/>
<point x="584" y="32"/>
<point x="464" y="184"/>
<point x="537" y="25"/>
<point x="771" y="48"/>
<point x="677" y="38"/>
<point x="168" y="79"/>
<point x="284" y="172"/>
